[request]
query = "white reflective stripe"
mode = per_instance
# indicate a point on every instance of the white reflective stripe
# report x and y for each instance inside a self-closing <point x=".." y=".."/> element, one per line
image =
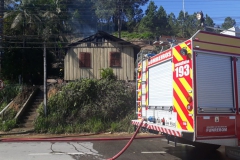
<point x="143" y="111"/>
<point x="143" y="77"/>
<point x="154" y="152"/>
<point x="144" y="65"/>
<point x="214" y="81"/>
<point x="206" y="117"/>
<point x="231" y="117"/>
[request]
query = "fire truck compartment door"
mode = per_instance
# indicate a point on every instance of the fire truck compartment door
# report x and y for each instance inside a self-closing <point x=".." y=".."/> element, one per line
<point x="215" y="95"/>
<point x="160" y="84"/>
<point x="238" y="115"/>
<point x="238" y="81"/>
<point x="214" y="82"/>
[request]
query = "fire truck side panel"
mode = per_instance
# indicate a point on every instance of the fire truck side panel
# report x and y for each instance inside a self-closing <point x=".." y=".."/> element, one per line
<point x="216" y="42"/>
<point x="216" y="88"/>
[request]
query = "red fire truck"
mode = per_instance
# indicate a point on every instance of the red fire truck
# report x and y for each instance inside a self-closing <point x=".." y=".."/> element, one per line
<point x="192" y="90"/>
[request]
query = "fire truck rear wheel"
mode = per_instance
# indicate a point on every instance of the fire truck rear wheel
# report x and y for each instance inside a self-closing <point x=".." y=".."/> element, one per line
<point x="204" y="146"/>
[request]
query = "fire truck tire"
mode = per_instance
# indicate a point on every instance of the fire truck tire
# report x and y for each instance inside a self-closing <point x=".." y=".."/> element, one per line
<point x="205" y="146"/>
<point x="153" y="131"/>
<point x="144" y="130"/>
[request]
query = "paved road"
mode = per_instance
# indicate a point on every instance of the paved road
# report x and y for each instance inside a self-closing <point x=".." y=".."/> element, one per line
<point x="140" y="149"/>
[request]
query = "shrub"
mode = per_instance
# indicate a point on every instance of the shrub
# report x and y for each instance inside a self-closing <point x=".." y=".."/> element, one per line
<point x="107" y="73"/>
<point x="87" y="105"/>
<point x="8" y="125"/>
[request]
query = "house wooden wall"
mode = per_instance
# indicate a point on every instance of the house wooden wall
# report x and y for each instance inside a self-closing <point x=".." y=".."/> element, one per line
<point x="100" y="58"/>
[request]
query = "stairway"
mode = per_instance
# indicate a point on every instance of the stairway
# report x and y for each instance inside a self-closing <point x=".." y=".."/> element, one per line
<point x="27" y="119"/>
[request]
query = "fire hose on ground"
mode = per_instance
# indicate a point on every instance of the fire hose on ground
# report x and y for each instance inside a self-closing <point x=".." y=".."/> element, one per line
<point x="128" y="144"/>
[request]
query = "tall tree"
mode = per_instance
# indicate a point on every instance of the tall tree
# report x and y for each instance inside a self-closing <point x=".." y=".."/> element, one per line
<point x="181" y="24"/>
<point x="172" y="21"/>
<point x="161" y="22"/>
<point x="228" y="23"/>
<point x="148" y="23"/>
<point x="111" y="11"/>
<point x="209" y="22"/>
<point x="132" y="17"/>
<point x="24" y="30"/>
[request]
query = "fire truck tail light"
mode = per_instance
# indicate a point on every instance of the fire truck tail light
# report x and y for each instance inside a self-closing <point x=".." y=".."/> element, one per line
<point x="184" y="123"/>
<point x="189" y="107"/>
<point x="189" y="99"/>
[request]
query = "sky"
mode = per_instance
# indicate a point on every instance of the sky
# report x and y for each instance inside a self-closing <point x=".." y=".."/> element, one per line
<point x="218" y="10"/>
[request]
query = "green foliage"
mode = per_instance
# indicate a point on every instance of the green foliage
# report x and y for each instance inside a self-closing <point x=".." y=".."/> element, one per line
<point x="114" y="127"/>
<point x="41" y="124"/>
<point x="8" y="125"/>
<point x="87" y="105"/>
<point x="9" y="92"/>
<point x="228" y="23"/>
<point x="12" y="91"/>
<point x="93" y="125"/>
<point x="148" y="23"/>
<point x="136" y="35"/>
<point x="8" y="122"/>
<point x="107" y="73"/>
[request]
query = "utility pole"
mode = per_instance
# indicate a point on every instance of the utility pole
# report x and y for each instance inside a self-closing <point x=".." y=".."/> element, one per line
<point x="45" y="78"/>
<point x="119" y="20"/>
<point x="183" y="24"/>
<point x="1" y="32"/>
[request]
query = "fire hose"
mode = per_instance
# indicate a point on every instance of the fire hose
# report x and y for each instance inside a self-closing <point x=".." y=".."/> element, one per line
<point x="128" y="144"/>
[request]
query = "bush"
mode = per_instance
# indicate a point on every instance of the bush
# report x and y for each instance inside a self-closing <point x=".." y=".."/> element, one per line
<point x="8" y="125"/>
<point x="88" y="105"/>
<point x="108" y="74"/>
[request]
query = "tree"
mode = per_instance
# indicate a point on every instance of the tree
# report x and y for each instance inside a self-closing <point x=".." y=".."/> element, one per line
<point x="109" y="12"/>
<point x="24" y="37"/>
<point x="133" y="17"/>
<point x="162" y="26"/>
<point x="190" y="25"/>
<point x="209" y="22"/>
<point x="172" y="21"/>
<point x="228" y="23"/>
<point x="148" y="23"/>
<point x="181" y="23"/>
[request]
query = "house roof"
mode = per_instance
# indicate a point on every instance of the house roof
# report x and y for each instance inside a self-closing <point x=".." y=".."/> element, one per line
<point x="234" y="31"/>
<point x="105" y="35"/>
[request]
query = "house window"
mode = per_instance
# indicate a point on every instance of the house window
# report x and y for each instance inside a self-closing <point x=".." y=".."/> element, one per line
<point x="115" y="59"/>
<point x="85" y="59"/>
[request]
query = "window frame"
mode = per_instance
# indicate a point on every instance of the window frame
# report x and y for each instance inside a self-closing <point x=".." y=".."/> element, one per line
<point x="84" y="60"/>
<point x="115" y="61"/>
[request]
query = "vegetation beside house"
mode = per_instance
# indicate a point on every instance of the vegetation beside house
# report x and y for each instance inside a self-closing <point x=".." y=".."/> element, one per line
<point x="89" y="105"/>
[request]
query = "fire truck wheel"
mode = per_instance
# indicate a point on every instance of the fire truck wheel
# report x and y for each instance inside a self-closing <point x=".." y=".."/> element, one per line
<point x="153" y="131"/>
<point x="205" y="146"/>
<point x="144" y="130"/>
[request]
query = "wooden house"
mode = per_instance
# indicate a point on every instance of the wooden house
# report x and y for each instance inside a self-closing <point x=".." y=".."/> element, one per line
<point x="86" y="58"/>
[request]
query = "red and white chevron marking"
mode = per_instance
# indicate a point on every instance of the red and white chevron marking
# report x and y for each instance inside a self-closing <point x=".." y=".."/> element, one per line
<point x="159" y="128"/>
